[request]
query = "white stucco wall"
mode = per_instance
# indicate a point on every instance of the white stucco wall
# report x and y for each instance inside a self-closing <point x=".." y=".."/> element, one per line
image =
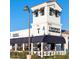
<point x="42" y="21"/>
<point x="22" y="33"/>
<point x="66" y="39"/>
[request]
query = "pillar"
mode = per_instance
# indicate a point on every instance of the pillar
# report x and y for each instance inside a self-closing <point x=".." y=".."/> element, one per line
<point x="15" y="47"/>
<point x="29" y="57"/>
<point x="41" y="49"/>
<point x="10" y="47"/>
<point x="23" y="47"/>
<point x="64" y="48"/>
<point x="31" y="48"/>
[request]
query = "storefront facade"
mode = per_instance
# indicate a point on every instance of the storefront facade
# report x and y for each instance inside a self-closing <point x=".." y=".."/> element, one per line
<point x="45" y="34"/>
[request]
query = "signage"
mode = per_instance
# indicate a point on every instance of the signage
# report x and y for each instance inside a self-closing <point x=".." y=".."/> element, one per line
<point x="15" y="35"/>
<point x="52" y="29"/>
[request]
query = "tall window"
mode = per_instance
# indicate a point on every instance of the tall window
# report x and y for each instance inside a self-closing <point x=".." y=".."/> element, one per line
<point x="42" y="11"/>
<point x="38" y="30"/>
<point x="62" y="47"/>
<point x="44" y="30"/>
<point x="35" y="13"/>
<point x="57" y="13"/>
<point x="51" y="11"/>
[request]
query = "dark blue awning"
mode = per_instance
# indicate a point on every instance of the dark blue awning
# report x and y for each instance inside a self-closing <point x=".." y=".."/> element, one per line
<point x="35" y="39"/>
<point x="54" y="39"/>
<point x="19" y="40"/>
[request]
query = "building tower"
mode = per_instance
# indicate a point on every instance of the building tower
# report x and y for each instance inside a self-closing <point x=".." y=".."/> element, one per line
<point x="46" y="19"/>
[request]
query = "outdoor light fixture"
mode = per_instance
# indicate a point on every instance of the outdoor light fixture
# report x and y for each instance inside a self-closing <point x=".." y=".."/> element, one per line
<point x="26" y="8"/>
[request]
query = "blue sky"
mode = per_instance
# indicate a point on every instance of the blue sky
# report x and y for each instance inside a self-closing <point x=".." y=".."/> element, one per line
<point x="19" y="18"/>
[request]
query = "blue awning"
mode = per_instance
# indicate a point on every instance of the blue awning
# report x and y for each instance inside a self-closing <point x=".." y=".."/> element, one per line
<point x="54" y="39"/>
<point x="19" y="40"/>
<point x="35" y="39"/>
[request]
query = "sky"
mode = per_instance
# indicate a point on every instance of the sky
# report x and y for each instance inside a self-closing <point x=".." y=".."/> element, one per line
<point x="19" y="17"/>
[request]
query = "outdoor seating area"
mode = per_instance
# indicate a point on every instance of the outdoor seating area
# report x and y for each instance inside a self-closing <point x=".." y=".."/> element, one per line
<point x="49" y="45"/>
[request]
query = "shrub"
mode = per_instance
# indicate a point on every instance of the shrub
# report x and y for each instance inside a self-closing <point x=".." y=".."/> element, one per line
<point x="14" y="54"/>
<point x="34" y="56"/>
<point x="22" y="55"/>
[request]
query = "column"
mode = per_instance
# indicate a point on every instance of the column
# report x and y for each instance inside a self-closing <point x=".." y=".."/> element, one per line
<point x="23" y="47"/>
<point x="41" y="49"/>
<point x="10" y="47"/>
<point x="64" y="48"/>
<point x="15" y="47"/>
<point x="31" y="48"/>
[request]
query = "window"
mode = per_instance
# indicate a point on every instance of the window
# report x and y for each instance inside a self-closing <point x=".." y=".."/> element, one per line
<point x="19" y="47"/>
<point x="15" y="35"/>
<point x="51" y="11"/>
<point x="43" y="28"/>
<point x="42" y="11"/>
<point x="58" y="47"/>
<point x="38" y="30"/>
<point x="57" y="13"/>
<point x="36" y="13"/>
<point x="62" y="47"/>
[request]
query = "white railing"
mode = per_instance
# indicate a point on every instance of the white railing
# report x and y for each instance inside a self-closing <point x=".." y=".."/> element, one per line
<point x="50" y="53"/>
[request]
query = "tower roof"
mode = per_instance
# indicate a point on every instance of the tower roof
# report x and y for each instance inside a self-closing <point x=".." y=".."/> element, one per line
<point x="49" y="3"/>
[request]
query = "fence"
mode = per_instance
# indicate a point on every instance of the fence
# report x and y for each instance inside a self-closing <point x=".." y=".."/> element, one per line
<point x="50" y="53"/>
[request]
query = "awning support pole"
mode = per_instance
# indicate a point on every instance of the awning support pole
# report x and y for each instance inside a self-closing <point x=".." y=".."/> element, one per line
<point x="41" y="49"/>
<point x="23" y="47"/>
<point x="15" y="47"/>
<point x="31" y="48"/>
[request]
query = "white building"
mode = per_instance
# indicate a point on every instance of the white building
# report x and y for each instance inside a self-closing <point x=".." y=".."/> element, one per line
<point x="65" y="34"/>
<point x="45" y="31"/>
